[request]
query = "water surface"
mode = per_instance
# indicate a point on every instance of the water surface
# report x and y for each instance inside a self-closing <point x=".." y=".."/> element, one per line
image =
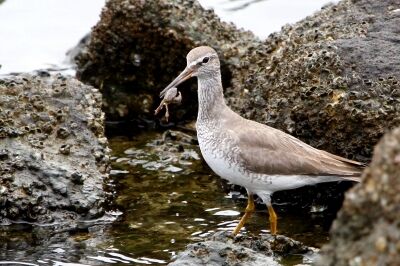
<point x="166" y="198"/>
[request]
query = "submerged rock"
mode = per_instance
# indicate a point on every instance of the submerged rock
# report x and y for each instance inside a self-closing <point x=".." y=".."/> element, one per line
<point x="53" y="153"/>
<point x="172" y="152"/>
<point x="367" y="229"/>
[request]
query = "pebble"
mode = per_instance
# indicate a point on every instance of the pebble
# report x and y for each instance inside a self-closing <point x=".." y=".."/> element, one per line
<point x="172" y="169"/>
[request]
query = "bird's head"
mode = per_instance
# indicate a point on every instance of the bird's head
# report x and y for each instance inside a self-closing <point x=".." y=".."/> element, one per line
<point x="202" y="62"/>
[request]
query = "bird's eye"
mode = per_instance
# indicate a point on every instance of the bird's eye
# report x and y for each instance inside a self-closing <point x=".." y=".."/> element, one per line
<point x="205" y="60"/>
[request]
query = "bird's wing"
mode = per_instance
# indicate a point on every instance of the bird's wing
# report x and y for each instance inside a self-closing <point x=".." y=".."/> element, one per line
<point x="270" y="151"/>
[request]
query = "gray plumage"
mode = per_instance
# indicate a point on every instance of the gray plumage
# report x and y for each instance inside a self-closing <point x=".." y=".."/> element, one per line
<point x="260" y="158"/>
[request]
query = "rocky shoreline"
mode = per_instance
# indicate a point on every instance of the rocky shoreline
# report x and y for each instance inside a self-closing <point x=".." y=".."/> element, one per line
<point x="332" y="80"/>
<point x="223" y="249"/>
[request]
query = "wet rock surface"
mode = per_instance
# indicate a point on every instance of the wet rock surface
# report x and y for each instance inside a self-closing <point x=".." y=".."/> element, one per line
<point x="366" y="231"/>
<point x="320" y="79"/>
<point x="223" y="249"/>
<point x="53" y="153"/>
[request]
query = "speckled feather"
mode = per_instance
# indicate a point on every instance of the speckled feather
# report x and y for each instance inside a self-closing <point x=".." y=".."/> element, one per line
<point x="252" y="154"/>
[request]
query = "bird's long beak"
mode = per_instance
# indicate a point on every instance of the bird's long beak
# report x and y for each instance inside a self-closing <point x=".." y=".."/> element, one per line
<point x="186" y="74"/>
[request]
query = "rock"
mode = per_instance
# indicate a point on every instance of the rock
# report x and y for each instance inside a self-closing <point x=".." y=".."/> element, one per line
<point x="320" y="79"/>
<point x="366" y="231"/>
<point x="71" y="55"/>
<point x="144" y="44"/>
<point x="47" y="165"/>
<point x="222" y="249"/>
<point x="220" y="253"/>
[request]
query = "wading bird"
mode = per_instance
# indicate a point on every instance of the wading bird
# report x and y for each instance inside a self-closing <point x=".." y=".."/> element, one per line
<point x="258" y="157"/>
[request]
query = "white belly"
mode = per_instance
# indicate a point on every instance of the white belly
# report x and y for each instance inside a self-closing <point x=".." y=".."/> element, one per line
<point x="223" y="168"/>
<point x="259" y="184"/>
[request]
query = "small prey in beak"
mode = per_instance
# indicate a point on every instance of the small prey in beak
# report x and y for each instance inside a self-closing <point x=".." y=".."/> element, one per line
<point x="172" y="95"/>
<point x="185" y="75"/>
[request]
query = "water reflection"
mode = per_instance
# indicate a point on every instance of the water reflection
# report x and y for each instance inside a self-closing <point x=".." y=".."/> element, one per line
<point x="165" y="208"/>
<point x="37" y="34"/>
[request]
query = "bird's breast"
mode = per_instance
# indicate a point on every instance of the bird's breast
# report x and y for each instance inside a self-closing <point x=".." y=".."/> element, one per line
<point x="221" y="153"/>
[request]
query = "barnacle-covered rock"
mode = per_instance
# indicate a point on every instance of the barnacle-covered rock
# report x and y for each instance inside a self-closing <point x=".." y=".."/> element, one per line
<point x="367" y="231"/>
<point x="331" y="79"/>
<point x="139" y="46"/>
<point x="48" y="172"/>
<point x="223" y="249"/>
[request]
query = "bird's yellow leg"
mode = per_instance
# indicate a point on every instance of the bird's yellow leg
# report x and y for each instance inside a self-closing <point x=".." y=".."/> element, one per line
<point x="249" y="210"/>
<point x="273" y="219"/>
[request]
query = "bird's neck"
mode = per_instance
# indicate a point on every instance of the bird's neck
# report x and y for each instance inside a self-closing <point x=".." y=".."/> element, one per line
<point x="211" y="97"/>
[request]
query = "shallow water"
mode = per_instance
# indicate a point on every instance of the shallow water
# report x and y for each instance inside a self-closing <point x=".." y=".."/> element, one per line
<point x="160" y="209"/>
<point x="167" y="208"/>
